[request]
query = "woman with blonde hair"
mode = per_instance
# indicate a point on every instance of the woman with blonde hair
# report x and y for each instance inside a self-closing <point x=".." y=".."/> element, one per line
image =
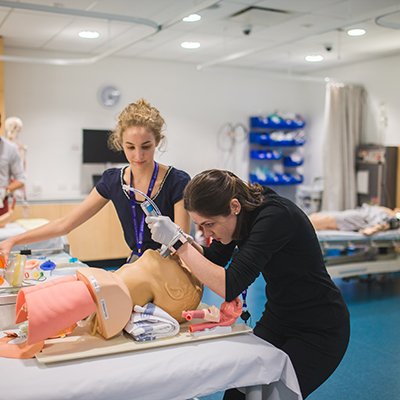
<point x="138" y="133"/>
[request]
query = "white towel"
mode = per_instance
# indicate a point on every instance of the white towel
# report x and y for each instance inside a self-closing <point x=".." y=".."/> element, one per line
<point x="151" y="322"/>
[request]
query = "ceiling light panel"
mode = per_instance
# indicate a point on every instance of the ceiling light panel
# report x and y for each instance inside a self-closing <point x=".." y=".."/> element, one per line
<point x="188" y="45"/>
<point x="356" y="32"/>
<point x="89" y="34"/>
<point x="314" y="58"/>
<point x="172" y="48"/>
<point x="192" y="18"/>
<point x="68" y="38"/>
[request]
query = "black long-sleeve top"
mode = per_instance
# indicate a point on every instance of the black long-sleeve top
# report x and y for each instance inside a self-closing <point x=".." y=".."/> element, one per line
<point x="281" y="244"/>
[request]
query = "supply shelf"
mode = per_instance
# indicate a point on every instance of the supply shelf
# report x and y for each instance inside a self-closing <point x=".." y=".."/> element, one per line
<point x="275" y="149"/>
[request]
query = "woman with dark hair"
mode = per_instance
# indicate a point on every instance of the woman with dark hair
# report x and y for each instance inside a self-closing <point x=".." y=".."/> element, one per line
<point x="305" y="314"/>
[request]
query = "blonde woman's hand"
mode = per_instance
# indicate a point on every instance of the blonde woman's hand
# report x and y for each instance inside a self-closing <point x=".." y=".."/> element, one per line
<point x="5" y="248"/>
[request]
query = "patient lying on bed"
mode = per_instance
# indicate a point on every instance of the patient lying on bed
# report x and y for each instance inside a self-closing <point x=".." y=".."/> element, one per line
<point x="367" y="219"/>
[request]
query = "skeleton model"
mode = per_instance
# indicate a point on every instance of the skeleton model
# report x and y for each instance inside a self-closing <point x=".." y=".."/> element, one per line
<point x="13" y="128"/>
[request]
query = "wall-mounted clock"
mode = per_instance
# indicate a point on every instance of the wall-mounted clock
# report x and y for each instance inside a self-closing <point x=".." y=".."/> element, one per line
<point x="109" y="96"/>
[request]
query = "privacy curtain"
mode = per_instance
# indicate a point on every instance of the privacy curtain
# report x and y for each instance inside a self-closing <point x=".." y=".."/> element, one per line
<point x="344" y="116"/>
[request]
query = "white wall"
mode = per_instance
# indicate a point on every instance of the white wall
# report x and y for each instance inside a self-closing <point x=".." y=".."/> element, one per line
<point x="381" y="80"/>
<point x="56" y="103"/>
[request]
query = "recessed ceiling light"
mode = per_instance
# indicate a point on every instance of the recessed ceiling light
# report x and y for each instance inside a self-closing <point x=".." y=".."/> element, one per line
<point x="89" y="34"/>
<point x="314" y="58"/>
<point x="190" y="45"/>
<point x="356" y="32"/>
<point x="192" y="18"/>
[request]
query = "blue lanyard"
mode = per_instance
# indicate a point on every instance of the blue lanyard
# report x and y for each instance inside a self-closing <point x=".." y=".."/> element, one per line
<point x="139" y="230"/>
<point x="245" y="312"/>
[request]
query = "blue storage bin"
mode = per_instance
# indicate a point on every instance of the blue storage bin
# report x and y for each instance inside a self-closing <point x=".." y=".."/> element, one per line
<point x="265" y="155"/>
<point x="264" y="139"/>
<point x="274" y="121"/>
<point x="277" y="179"/>
<point x="298" y="179"/>
<point x="288" y="162"/>
<point x="286" y="143"/>
<point x="259" y="138"/>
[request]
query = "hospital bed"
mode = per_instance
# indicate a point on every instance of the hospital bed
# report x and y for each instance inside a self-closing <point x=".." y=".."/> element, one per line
<point x="351" y="254"/>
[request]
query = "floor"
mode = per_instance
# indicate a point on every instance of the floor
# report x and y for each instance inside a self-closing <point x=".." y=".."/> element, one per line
<point x="371" y="366"/>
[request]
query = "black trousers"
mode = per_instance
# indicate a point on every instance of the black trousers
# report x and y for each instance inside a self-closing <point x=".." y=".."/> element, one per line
<point x="314" y="355"/>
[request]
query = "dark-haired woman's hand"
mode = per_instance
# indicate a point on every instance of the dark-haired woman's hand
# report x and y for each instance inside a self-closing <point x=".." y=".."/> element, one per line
<point x="162" y="229"/>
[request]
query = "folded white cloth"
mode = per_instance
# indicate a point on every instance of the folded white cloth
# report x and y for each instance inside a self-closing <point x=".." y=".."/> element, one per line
<point x="151" y="322"/>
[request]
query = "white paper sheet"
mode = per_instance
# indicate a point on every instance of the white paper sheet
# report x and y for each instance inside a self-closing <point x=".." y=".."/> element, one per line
<point x="174" y="373"/>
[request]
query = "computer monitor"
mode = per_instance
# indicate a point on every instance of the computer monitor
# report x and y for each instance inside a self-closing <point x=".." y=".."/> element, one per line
<point x="96" y="150"/>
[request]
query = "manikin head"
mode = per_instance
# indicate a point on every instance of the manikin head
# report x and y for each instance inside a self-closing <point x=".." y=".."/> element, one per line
<point x="13" y="127"/>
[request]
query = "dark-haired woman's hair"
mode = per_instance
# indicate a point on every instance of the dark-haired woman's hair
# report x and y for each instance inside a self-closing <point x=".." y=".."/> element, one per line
<point x="210" y="193"/>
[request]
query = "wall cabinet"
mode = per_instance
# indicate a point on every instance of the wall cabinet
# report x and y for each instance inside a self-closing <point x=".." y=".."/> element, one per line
<point x="100" y="238"/>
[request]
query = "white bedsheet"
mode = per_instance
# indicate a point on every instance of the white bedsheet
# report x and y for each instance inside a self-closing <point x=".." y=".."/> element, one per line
<point x="13" y="229"/>
<point x="168" y="373"/>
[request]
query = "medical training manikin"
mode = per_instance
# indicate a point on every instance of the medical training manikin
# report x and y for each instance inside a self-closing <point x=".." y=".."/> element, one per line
<point x="52" y="307"/>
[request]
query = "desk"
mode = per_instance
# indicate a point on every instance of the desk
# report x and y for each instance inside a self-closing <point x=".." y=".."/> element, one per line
<point x="167" y="373"/>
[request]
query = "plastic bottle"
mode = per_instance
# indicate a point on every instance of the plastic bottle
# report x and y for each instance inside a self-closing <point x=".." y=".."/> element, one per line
<point x="15" y="270"/>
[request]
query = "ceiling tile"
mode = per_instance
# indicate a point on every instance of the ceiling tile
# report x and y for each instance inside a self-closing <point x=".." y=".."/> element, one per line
<point x="269" y="42"/>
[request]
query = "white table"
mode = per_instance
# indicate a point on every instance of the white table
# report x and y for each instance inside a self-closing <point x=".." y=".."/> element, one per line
<point x="166" y="373"/>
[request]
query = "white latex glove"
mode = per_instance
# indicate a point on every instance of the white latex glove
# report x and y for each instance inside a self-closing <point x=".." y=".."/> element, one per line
<point x="162" y="229"/>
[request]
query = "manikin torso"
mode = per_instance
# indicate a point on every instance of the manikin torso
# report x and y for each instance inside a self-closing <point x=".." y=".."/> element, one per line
<point x="165" y="282"/>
